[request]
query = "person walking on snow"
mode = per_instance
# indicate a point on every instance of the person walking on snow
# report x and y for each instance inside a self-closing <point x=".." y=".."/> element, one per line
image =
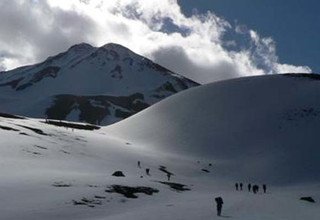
<point x="264" y="186"/>
<point x="219" y="203"/>
<point x="241" y="185"/>
<point x="249" y="187"/>
<point x="169" y="176"/>
<point x="237" y="186"/>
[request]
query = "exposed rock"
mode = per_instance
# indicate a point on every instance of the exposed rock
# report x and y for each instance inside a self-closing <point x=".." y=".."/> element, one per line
<point x="308" y="199"/>
<point x="205" y="170"/>
<point x="130" y="192"/>
<point x="73" y="125"/>
<point x="176" y="186"/>
<point x="61" y="184"/>
<point x="118" y="174"/>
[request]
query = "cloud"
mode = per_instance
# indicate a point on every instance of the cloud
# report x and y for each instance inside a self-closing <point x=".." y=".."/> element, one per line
<point x="203" y="47"/>
<point x="178" y="59"/>
<point x="32" y="30"/>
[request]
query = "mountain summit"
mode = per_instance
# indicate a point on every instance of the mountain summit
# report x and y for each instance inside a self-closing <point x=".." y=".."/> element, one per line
<point x="97" y="85"/>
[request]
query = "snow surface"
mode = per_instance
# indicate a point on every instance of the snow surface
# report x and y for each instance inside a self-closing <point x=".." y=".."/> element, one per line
<point x="172" y="134"/>
<point x="272" y="121"/>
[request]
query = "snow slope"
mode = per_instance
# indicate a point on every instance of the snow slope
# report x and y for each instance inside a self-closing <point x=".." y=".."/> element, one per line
<point x="52" y="172"/>
<point x="43" y="176"/>
<point x="264" y="128"/>
<point x="97" y="85"/>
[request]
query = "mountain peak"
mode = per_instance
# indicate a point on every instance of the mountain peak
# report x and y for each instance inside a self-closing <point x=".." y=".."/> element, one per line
<point x="109" y="83"/>
<point x="114" y="46"/>
<point x="119" y="49"/>
<point x="81" y="47"/>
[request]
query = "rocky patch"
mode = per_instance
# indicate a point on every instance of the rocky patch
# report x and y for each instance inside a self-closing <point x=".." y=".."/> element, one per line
<point x="308" y="199"/>
<point x="71" y="125"/>
<point x="176" y="186"/>
<point x="61" y="184"/>
<point x="118" y="174"/>
<point x="130" y="192"/>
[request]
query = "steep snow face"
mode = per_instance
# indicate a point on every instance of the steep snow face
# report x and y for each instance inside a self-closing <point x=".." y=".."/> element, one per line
<point x="87" y="73"/>
<point x="262" y="128"/>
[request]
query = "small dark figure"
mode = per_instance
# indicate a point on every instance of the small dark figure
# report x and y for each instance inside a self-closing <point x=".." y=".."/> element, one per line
<point x="219" y="202"/>
<point x="249" y="187"/>
<point x="264" y="186"/>
<point x="241" y="185"/>
<point x="210" y="164"/>
<point x="148" y="171"/>
<point x="139" y="164"/>
<point x="237" y="186"/>
<point x="169" y="176"/>
<point x="255" y="189"/>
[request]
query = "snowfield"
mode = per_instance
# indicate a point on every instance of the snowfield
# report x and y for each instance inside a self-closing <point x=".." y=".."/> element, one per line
<point x="258" y="130"/>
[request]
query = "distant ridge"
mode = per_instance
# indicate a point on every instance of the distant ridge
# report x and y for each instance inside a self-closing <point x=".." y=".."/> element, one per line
<point x="98" y="85"/>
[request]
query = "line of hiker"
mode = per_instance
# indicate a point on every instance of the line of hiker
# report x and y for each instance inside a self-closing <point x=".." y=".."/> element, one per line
<point x="255" y="188"/>
<point x="239" y="186"/>
<point x="148" y="171"/>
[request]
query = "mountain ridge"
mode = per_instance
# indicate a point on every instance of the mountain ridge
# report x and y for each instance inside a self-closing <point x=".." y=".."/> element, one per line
<point x="83" y="70"/>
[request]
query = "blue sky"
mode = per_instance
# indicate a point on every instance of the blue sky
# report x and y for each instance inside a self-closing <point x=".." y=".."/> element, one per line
<point x="293" y="24"/>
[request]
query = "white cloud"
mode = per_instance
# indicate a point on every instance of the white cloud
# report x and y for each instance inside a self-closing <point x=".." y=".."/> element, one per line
<point x="264" y="55"/>
<point x="193" y="46"/>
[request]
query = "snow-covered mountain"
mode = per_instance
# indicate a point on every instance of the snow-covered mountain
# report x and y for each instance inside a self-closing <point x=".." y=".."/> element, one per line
<point x="252" y="130"/>
<point x="97" y="85"/>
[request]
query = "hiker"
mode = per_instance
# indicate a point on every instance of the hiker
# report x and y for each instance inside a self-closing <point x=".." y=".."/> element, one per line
<point x="249" y="187"/>
<point x="169" y="176"/>
<point x="264" y="186"/>
<point x="148" y="171"/>
<point x="237" y="186"/>
<point x="255" y="189"/>
<point x="219" y="202"/>
<point x="241" y="185"/>
<point x="139" y="164"/>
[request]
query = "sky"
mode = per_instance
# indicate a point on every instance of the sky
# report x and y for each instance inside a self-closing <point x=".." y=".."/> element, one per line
<point x="293" y="24"/>
<point x="203" y="40"/>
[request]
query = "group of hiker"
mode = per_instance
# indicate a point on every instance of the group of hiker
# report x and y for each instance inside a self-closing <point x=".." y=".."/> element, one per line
<point x="255" y="188"/>
<point x="239" y="187"/>
<point x="219" y="200"/>
<point x="148" y="171"/>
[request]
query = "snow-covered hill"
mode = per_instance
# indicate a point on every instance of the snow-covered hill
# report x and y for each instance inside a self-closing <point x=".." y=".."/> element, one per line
<point x="264" y="128"/>
<point x="251" y="130"/>
<point x="97" y="85"/>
